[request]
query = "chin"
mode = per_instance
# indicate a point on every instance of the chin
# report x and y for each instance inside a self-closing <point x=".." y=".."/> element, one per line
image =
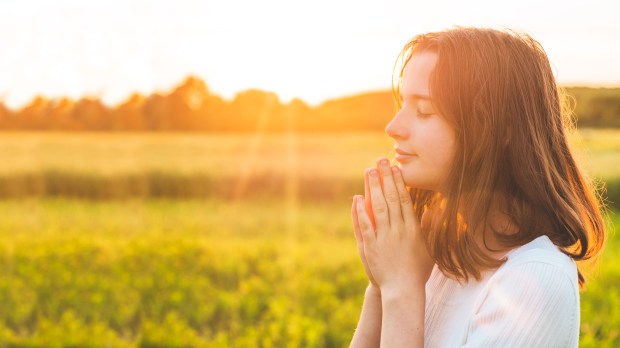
<point x="415" y="181"/>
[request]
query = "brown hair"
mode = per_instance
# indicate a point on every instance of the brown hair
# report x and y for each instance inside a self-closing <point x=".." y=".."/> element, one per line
<point x="497" y="90"/>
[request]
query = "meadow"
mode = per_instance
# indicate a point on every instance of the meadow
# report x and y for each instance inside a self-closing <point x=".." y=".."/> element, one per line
<point x="240" y="262"/>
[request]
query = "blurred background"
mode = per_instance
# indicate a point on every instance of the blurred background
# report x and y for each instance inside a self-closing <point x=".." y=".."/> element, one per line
<point x="181" y="173"/>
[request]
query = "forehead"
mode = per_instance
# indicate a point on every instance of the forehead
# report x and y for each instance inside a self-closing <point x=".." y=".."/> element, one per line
<point x="415" y="80"/>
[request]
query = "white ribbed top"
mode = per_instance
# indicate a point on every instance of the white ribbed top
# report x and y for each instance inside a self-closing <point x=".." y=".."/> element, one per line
<point x="532" y="300"/>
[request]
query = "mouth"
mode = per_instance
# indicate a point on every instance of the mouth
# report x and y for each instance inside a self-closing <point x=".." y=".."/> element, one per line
<point x="402" y="156"/>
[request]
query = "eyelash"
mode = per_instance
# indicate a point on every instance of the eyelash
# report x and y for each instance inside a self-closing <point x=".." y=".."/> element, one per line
<point x="417" y="111"/>
<point x="421" y="114"/>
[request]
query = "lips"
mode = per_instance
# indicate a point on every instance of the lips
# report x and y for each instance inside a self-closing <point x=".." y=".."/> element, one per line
<point x="402" y="156"/>
<point x="401" y="152"/>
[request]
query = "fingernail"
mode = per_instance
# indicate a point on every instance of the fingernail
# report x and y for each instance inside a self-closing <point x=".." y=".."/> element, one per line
<point x="373" y="172"/>
<point x="385" y="164"/>
<point x="395" y="169"/>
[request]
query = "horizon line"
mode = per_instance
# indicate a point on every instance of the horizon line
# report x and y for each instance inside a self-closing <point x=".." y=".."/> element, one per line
<point x="98" y="96"/>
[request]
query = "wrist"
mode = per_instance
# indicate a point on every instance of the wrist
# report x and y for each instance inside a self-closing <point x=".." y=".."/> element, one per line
<point x="403" y="293"/>
<point x="373" y="290"/>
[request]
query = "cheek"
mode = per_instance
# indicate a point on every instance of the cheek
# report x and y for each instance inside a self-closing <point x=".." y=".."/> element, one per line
<point x="438" y="143"/>
<point x="445" y="151"/>
<point x="443" y="156"/>
<point x="435" y="144"/>
<point x="440" y="146"/>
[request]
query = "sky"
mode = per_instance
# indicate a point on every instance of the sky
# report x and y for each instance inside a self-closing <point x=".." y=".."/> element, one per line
<point x="314" y="49"/>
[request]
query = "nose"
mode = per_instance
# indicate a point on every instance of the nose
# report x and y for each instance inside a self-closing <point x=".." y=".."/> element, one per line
<point x="395" y="128"/>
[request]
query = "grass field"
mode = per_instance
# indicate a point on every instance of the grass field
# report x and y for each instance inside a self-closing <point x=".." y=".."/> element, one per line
<point x="202" y="273"/>
<point x="306" y="167"/>
<point x="329" y="155"/>
<point x="276" y="271"/>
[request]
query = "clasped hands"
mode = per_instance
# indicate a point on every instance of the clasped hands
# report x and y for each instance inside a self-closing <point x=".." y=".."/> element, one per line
<point x="388" y="234"/>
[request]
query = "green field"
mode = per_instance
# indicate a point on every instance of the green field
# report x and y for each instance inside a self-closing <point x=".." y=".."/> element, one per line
<point x="325" y="155"/>
<point x="324" y="167"/>
<point x="277" y="271"/>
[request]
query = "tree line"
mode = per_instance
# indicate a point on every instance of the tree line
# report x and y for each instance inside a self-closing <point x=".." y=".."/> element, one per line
<point x="191" y="106"/>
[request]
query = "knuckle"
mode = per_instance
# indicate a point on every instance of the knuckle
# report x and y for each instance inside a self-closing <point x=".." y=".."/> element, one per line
<point x="363" y="225"/>
<point x="392" y="197"/>
<point x="405" y="198"/>
<point x="397" y="225"/>
<point x="380" y="208"/>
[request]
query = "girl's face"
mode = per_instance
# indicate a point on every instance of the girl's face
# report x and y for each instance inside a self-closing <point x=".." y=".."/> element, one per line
<point x="424" y="140"/>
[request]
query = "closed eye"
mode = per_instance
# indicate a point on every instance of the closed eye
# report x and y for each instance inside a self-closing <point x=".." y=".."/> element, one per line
<point x="417" y="111"/>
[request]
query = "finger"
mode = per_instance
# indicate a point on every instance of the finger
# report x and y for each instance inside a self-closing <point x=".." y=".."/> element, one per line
<point x="406" y="204"/>
<point x="368" y="199"/>
<point x="390" y="193"/>
<point x="379" y="206"/>
<point x="368" y="232"/>
<point x="359" y="239"/>
<point x="356" y="225"/>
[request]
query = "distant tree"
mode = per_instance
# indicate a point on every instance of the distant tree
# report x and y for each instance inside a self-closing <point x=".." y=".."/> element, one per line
<point x="61" y="115"/>
<point x="253" y="110"/>
<point x="91" y="114"/>
<point x="129" y="115"/>
<point x="188" y="105"/>
<point x="6" y="117"/>
<point x="191" y="107"/>
<point x="157" y="112"/>
<point x="605" y="110"/>
<point x="215" y="109"/>
<point x="363" y="112"/>
<point x="297" y="113"/>
<point x="596" y="107"/>
<point x="33" y="115"/>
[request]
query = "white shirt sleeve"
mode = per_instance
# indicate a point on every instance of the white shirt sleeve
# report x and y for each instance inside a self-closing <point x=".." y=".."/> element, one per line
<point x="531" y="304"/>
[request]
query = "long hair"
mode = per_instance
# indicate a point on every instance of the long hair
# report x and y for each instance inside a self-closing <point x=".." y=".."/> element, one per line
<point x="497" y="90"/>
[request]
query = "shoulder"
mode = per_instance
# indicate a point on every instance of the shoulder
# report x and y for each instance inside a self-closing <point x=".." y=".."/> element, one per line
<point x="538" y="270"/>
<point x="540" y="262"/>
<point x="540" y="251"/>
<point x="532" y="299"/>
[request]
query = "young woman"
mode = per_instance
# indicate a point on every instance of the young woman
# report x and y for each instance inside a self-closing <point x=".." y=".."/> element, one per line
<point x="472" y="240"/>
